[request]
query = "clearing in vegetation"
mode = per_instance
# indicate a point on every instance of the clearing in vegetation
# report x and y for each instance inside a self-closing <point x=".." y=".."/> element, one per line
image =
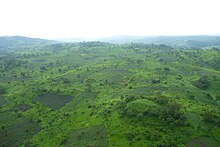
<point x="15" y="128"/>
<point x="15" y="134"/>
<point x="203" y="142"/>
<point x="95" y="136"/>
<point x="23" y="107"/>
<point x="54" y="101"/>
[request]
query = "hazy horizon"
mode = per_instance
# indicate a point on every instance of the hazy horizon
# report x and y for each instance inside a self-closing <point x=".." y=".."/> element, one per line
<point x="54" y="19"/>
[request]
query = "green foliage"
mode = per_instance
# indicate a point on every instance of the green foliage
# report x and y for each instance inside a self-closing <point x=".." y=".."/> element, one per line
<point x="202" y="83"/>
<point x="172" y="114"/>
<point x="161" y="100"/>
<point x="212" y="117"/>
<point x="105" y="94"/>
<point x="142" y="106"/>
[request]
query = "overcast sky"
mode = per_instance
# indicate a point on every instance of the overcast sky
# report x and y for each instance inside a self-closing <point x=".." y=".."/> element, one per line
<point x="105" y="18"/>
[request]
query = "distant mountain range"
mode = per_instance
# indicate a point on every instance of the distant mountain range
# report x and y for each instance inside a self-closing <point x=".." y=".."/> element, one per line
<point x="175" y="41"/>
<point x="20" y="41"/>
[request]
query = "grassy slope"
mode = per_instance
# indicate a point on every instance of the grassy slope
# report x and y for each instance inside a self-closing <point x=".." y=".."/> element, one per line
<point x="114" y="85"/>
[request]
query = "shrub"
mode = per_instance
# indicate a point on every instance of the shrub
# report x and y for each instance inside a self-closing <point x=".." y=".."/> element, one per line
<point x="172" y="114"/>
<point x="202" y="83"/>
<point x="161" y="100"/>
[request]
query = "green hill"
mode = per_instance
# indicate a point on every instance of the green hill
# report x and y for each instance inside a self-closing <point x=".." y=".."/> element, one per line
<point x="103" y="94"/>
<point x="7" y="42"/>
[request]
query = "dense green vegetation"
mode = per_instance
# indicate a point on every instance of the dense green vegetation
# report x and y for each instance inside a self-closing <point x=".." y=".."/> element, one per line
<point x="103" y="94"/>
<point x="202" y="41"/>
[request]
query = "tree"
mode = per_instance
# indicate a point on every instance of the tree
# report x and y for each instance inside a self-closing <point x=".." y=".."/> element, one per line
<point x="172" y="114"/>
<point x="161" y="100"/>
<point x="211" y="117"/>
<point x="202" y="83"/>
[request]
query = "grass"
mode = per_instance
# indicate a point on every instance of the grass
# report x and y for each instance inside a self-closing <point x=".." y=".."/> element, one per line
<point x="194" y="119"/>
<point x="142" y="105"/>
<point x="148" y="90"/>
<point x="88" y="95"/>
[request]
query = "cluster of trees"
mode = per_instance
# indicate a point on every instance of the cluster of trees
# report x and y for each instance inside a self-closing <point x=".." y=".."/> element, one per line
<point x="211" y="117"/>
<point x="167" y="111"/>
<point x="93" y="44"/>
<point x="172" y="114"/>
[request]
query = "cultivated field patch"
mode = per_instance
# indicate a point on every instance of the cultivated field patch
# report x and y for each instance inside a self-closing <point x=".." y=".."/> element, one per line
<point x="54" y="101"/>
<point x="7" y="118"/>
<point x="95" y="136"/>
<point x="22" y="107"/>
<point x="203" y="142"/>
<point x="17" y="133"/>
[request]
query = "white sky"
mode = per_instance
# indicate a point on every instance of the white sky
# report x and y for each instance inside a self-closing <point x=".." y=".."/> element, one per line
<point x="104" y="18"/>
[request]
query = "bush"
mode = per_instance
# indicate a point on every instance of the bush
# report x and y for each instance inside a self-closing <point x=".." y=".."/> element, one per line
<point x="212" y="117"/>
<point x="155" y="81"/>
<point x="161" y="100"/>
<point x="172" y="114"/>
<point x="202" y="83"/>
